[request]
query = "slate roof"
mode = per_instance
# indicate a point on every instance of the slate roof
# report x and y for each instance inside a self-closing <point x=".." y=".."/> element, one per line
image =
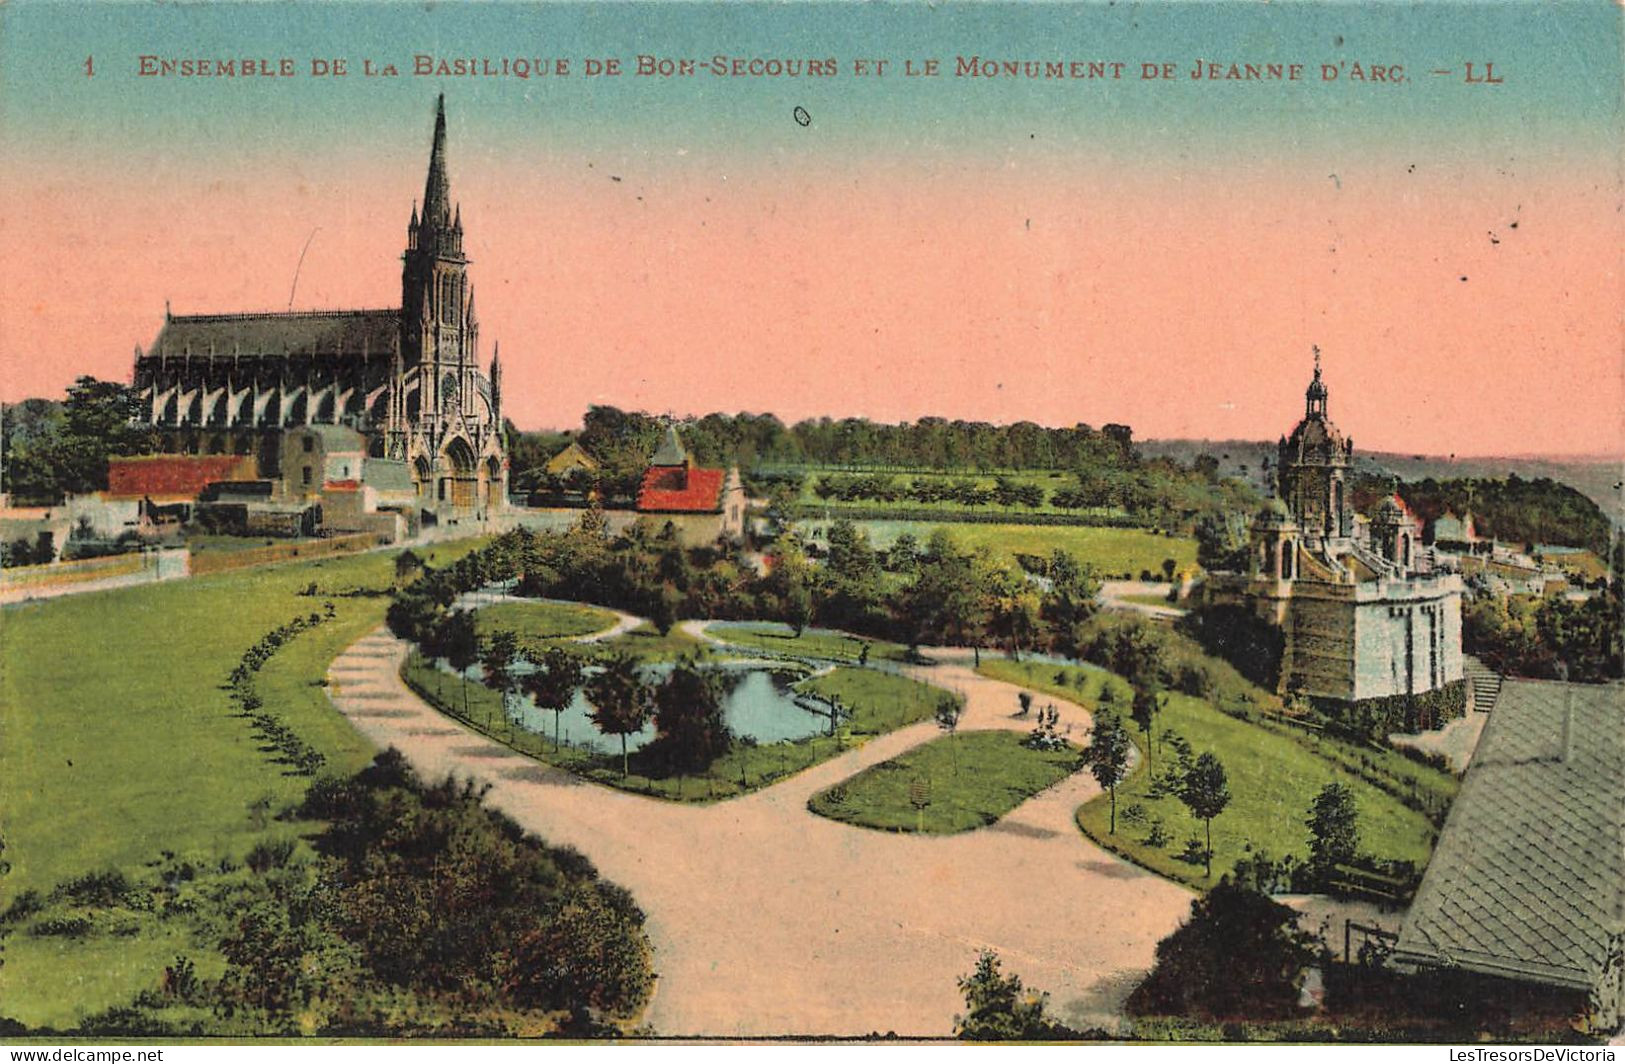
<point x="386" y="474"/>
<point x="668" y="489"/>
<point x="671" y="451"/>
<point x="320" y="332"/>
<point x="336" y="439"/>
<point x="1528" y="879"/>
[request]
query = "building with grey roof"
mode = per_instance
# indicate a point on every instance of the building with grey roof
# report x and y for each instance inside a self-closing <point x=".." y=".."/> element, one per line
<point x="408" y="379"/>
<point x="1527" y="882"/>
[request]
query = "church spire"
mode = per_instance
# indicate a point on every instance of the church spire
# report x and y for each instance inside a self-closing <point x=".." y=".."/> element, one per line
<point x="496" y="384"/>
<point x="437" y="190"/>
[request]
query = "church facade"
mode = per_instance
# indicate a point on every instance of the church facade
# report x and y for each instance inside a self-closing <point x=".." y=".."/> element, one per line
<point x="1361" y="612"/>
<point x="407" y="379"/>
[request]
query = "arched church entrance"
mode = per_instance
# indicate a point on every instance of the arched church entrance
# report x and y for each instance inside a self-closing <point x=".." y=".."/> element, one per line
<point x="460" y="487"/>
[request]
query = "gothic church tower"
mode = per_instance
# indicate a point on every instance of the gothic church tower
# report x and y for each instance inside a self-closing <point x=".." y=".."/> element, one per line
<point x="447" y="422"/>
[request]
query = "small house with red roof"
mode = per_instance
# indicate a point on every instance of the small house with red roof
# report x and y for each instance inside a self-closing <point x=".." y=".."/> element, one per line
<point x="703" y="505"/>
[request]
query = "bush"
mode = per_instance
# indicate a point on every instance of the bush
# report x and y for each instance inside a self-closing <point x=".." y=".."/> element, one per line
<point x="1240" y="955"/>
<point x="22" y="907"/>
<point x="268" y="855"/>
<point x="999" y="1009"/>
<point x="98" y="889"/>
<point x="63" y="927"/>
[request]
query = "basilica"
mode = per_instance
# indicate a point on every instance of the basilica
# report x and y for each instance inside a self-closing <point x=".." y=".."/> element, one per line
<point x="1361" y="611"/>
<point x="401" y="388"/>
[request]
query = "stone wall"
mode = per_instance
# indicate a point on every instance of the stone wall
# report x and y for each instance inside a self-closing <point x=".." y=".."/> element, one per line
<point x="1408" y="645"/>
<point x="1320" y="652"/>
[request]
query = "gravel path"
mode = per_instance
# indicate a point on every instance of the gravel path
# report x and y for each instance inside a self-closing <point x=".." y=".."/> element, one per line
<point x="769" y="920"/>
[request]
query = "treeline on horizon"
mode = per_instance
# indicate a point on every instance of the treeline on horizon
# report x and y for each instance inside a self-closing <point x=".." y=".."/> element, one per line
<point x="756" y="440"/>
<point x="1094" y="469"/>
<point x="50" y="448"/>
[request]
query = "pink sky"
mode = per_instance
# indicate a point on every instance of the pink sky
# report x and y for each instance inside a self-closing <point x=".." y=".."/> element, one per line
<point x="1181" y="302"/>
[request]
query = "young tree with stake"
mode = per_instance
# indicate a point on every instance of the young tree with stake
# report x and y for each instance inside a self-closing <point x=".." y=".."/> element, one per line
<point x="1206" y="793"/>
<point x="620" y="700"/>
<point x="554" y="684"/>
<point x="1108" y="756"/>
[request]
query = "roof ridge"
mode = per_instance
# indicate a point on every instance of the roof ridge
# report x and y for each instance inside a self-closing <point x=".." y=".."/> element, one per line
<point x="247" y="315"/>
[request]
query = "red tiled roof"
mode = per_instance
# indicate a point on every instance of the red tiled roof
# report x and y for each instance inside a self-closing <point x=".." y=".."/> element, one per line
<point x="664" y="491"/>
<point x="173" y="475"/>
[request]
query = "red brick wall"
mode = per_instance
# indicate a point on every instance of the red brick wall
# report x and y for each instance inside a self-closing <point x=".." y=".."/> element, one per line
<point x="172" y="475"/>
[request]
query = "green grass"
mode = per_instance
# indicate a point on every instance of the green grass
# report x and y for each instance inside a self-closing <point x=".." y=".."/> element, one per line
<point x="542" y="621"/>
<point x="118" y="741"/>
<point x="967" y="781"/>
<point x="199" y="542"/>
<point x="1273" y="779"/>
<point x="647" y="644"/>
<point x="881" y="702"/>
<point x="1112" y="551"/>
<point x="813" y="643"/>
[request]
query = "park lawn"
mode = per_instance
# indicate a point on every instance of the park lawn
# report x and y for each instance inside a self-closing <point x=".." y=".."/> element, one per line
<point x="542" y="621"/>
<point x="1114" y="552"/>
<point x="822" y="643"/>
<point x="881" y="703"/>
<point x="647" y="644"/>
<point x="969" y="780"/>
<point x="119" y="742"/>
<point x="1273" y="779"/>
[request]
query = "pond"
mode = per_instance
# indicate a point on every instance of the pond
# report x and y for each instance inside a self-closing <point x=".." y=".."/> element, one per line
<point x="759" y="703"/>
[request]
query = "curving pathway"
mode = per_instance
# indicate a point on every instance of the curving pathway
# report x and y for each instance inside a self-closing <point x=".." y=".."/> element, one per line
<point x="769" y="920"/>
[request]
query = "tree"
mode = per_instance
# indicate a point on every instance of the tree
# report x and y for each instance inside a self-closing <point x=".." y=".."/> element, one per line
<point x="1147" y="701"/>
<point x="98" y="420"/>
<point x="407" y="565"/>
<point x="999" y="1009"/>
<point x="1134" y="654"/>
<point x="1241" y="954"/>
<point x="1013" y="608"/>
<point x="620" y="700"/>
<point x="1071" y="600"/>
<point x="904" y="555"/>
<point x="663" y="608"/>
<point x="1334" y="832"/>
<point x="688" y="717"/>
<point x="497" y="659"/>
<point x="798" y="608"/>
<point x="553" y="684"/>
<point x="585" y="955"/>
<point x="460" y="643"/>
<point x="1108" y="756"/>
<point x="945" y="601"/>
<point x="792" y="580"/>
<point x="1206" y="792"/>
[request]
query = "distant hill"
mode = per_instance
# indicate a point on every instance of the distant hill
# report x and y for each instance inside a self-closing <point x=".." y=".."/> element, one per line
<point x="1599" y="478"/>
